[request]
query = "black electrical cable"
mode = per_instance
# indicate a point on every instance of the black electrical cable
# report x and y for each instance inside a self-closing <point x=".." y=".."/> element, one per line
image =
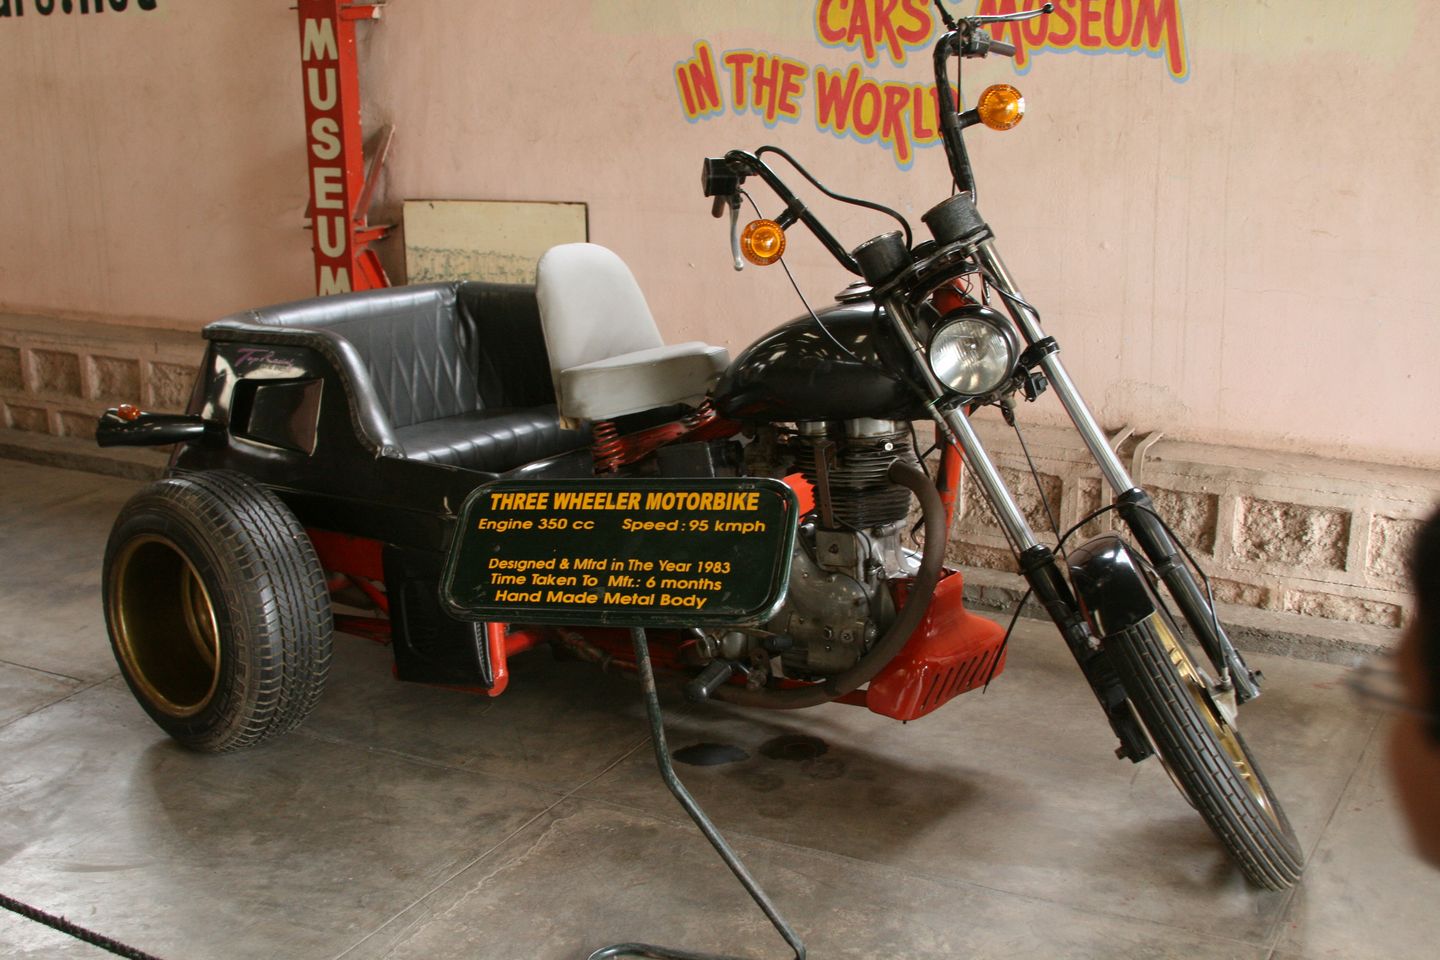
<point x="1185" y="551"/>
<point x="856" y="201"/>
<point x="1005" y="643"/>
<point x="806" y="304"/>
<point x="1013" y="298"/>
<point x="1009" y="412"/>
<point x="1060" y="548"/>
<point x="74" y="930"/>
<point x="945" y="16"/>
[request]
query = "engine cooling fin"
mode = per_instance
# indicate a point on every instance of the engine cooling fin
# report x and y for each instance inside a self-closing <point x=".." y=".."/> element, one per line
<point x="861" y="494"/>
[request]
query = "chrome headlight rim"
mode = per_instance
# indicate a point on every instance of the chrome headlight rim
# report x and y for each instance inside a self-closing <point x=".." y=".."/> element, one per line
<point x="1004" y="336"/>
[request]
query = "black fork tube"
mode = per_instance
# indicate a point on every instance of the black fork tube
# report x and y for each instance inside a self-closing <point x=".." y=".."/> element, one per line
<point x="1040" y="570"/>
<point x="1138" y="512"/>
<point x="950" y="130"/>
<point x="1050" y="587"/>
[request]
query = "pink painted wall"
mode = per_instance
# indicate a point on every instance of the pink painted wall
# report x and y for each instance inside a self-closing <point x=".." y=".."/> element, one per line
<point x="1246" y="257"/>
<point x="152" y="161"/>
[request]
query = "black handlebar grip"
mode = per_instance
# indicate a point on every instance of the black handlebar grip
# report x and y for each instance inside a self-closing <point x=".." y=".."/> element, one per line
<point x="717" y="179"/>
<point x="1002" y="48"/>
<point x="721" y="182"/>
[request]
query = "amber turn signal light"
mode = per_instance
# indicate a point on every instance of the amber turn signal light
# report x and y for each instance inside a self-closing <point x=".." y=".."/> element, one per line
<point x="128" y="411"/>
<point x="1000" y="107"/>
<point x="763" y="242"/>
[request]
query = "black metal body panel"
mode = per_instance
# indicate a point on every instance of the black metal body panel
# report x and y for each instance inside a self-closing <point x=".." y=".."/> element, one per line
<point x="286" y="421"/>
<point x="798" y="373"/>
<point x="148" y="430"/>
<point x="1110" y="584"/>
<point x="430" y="646"/>
<point x="341" y="484"/>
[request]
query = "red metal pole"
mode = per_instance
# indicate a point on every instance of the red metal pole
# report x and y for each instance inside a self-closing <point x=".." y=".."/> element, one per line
<point x="335" y="148"/>
<point x="949" y="483"/>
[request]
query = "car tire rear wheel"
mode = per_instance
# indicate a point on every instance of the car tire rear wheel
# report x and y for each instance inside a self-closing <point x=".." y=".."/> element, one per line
<point x="217" y="610"/>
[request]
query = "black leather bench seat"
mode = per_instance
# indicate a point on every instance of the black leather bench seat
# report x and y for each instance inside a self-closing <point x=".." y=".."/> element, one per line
<point x="490" y="440"/>
<point x="448" y="373"/>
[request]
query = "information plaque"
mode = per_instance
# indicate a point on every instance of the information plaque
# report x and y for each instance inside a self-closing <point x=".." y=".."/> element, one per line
<point x="633" y="553"/>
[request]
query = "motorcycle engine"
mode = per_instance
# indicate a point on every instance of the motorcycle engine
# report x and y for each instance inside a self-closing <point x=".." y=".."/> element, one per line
<point x="838" y="604"/>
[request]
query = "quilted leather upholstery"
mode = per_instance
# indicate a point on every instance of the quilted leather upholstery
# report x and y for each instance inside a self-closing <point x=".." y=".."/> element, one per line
<point x="513" y="368"/>
<point x="418" y="358"/>
<point x="490" y="440"/>
<point x="452" y="373"/>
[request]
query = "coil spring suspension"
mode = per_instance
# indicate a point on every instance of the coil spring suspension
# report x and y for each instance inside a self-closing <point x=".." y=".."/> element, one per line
<point x="701" y="415"/>
<point x="606" y="446"/>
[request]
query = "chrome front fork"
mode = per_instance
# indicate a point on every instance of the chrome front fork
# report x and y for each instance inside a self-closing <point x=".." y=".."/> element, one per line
<point x="1133" y="503"/>
<point x="960" y="433"/>
<point x="1029" y="323"/>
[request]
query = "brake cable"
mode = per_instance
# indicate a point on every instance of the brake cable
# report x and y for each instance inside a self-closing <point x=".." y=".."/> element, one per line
<point x="842" y="198"/>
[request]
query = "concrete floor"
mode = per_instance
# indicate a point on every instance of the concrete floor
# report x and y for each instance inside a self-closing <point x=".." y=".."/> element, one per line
<point x="409" y="822"/>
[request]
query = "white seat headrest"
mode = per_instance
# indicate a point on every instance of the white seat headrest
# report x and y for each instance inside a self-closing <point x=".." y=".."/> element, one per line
<point x="591" y="307"/>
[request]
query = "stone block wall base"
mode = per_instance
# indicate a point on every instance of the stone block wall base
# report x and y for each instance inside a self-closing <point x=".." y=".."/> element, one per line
<point x="1310" y="537"/>
<point x="74" y="453"/>
<point x="57" y="376"/>
<point x="994" y="594"/>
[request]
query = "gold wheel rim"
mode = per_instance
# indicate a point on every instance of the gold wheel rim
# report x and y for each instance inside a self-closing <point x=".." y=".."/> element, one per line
<point x="164" y="626"/>
<point x="1225" y="734"/>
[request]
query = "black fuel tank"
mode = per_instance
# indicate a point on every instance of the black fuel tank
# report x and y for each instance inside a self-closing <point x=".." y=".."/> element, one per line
<point x="797" y="372"/>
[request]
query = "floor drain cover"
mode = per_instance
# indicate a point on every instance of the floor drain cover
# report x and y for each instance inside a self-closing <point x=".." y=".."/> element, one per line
<point x="710" y="754"/>
<point x="794" y="746"/>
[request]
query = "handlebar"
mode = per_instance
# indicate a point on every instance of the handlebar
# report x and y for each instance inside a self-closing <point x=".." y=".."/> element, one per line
<point x="1012" y="17"/>
<point x="723" y="177"/>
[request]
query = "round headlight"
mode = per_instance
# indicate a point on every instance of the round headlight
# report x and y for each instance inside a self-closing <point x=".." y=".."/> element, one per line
<point x="973" y="351"/>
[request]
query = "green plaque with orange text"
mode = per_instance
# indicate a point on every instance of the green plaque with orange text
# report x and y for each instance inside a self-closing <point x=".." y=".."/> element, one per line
<point x="618" y="552"/>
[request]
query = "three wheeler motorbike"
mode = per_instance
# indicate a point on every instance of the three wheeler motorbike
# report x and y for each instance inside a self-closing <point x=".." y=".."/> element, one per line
<point x="321" y="470"/>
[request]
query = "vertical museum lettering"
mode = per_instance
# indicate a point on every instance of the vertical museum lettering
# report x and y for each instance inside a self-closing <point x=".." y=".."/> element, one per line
<point x="320" y="59"/>
<point x="44" y="8"/>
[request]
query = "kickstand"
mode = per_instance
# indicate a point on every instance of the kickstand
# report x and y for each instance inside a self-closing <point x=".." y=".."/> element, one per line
<point x="667" y="773"/>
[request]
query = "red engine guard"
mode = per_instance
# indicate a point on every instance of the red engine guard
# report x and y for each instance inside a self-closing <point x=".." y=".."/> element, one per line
<point x="950" y="652"/>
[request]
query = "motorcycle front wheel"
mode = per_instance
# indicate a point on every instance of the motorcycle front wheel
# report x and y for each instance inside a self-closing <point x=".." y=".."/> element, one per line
<point x="1204" y="753"/>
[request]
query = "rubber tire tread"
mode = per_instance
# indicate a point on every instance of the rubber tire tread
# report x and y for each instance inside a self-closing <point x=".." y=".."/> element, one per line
<point x="270" y="597"/>
<point x="1269" y="855"/>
